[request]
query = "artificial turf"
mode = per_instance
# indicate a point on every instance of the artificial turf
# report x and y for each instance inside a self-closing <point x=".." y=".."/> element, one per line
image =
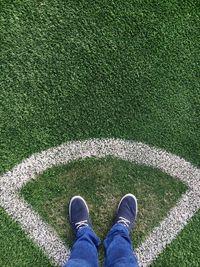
<point x="184" y="251"/>
<point x="102" y="183"/>
<point x="72" y="70"/>
<point x="16" y="249"/>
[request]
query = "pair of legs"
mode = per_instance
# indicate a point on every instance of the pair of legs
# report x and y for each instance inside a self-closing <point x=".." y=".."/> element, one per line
<point x="118" y="245"/>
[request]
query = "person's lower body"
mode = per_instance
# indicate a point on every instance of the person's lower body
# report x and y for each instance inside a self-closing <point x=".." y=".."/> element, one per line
<point x="118" y="244"/>
<point x="84" y="251"/>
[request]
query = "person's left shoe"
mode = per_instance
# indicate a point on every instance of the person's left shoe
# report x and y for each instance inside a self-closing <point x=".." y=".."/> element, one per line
<point x="79" y="213"/>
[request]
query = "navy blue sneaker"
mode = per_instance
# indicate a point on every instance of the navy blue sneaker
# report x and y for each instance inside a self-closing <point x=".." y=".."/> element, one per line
<point x="127" y="211"/>
<point x="78" y="213"/>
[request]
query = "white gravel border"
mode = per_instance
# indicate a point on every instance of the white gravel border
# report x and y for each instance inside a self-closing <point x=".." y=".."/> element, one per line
<point x="46" y="237"/>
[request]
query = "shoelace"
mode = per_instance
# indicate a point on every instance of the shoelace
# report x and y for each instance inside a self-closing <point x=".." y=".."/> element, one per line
<point x="124" y="221"/>
<point x="81" y="224"/>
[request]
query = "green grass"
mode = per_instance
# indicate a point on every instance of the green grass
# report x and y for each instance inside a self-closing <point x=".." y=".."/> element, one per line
<point x="102" y="183"/>
<point x="16" y="249"/>
<point x="184" y="251"/>
<point x="72" y="70"/>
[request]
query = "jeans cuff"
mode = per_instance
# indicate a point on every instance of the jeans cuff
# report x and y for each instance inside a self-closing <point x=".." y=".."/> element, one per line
<point x="119" y="227"/>
<point x="89" y="232"/>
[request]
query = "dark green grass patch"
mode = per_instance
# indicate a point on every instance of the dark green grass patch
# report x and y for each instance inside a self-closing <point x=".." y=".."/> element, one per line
<point x="72" y="70"/>
<point x="184" y="251"/>
<point x="102" y="182"/>
<point x="16" y="249"/>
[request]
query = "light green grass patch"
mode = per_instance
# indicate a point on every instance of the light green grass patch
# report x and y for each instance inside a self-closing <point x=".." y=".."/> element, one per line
<point x="102" y="182"/>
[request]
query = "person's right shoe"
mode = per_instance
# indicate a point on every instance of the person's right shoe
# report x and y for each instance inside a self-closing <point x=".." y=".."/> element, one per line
<point x="127" y="211"/>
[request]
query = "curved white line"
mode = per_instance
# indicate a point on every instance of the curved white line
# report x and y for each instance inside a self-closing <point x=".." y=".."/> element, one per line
<point x="137" y="152"/>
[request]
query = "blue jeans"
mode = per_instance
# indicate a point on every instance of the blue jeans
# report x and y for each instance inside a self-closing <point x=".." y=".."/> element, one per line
<point x="118" y="245"/>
